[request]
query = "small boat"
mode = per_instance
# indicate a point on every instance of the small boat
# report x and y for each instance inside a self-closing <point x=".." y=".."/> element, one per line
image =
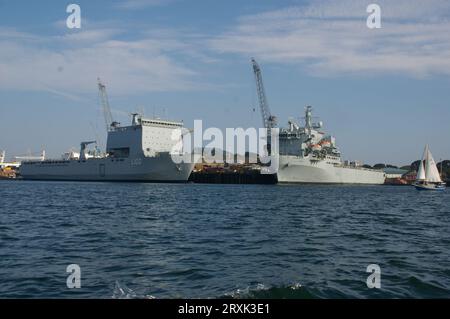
<point x="428" y="177"/>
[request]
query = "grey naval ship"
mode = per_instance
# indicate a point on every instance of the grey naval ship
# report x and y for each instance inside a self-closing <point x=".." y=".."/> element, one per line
<point x="138" y="152"/>
<point x="307" y="154"/>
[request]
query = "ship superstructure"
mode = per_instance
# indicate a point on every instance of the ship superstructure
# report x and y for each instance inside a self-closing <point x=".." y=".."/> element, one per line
<point x="308" y="140"/>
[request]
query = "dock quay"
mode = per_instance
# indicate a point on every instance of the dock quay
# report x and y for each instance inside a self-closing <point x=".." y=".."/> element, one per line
<point x="232" y="174"/>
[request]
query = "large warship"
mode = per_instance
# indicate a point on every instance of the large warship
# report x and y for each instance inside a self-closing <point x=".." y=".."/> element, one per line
<point x="141" y="151"/>
<point x="308" y="155"/>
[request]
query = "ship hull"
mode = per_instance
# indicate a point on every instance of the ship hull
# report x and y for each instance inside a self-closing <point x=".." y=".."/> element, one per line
<point x="430" y="187"/>
<point x="294" y="169"/>
<point x="145" y="169"/>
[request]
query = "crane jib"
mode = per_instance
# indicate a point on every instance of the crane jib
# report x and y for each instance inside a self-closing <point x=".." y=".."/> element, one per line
<point x="269" y="121"/>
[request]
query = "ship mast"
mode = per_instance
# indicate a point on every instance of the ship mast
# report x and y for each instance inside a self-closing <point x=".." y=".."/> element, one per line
<point x="308" y="120"/>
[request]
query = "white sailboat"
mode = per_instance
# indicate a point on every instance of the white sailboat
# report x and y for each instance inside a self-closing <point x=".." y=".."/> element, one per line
<point x="428" y="177"/>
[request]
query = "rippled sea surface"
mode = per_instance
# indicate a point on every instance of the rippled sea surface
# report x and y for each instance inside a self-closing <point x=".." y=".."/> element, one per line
<point x="211" y="241"/>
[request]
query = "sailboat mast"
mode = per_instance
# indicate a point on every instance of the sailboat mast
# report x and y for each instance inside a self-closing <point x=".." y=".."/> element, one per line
<point x="426" y="162"/>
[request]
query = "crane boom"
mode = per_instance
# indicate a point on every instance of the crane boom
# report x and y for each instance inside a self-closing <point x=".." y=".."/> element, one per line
<point x="269" y="120"/>
<point x="105" y="106"/>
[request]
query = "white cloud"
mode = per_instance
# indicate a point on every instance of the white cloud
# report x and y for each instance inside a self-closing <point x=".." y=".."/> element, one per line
<point x="72" y="63"/>
<point x="139" y="4"/>
<point x="331" y="37"/>
<point x="89" y="36"/>
<point x="328" y="37"/>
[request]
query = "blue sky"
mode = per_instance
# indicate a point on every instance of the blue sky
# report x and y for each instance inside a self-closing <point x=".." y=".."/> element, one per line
<point x="383" y="93"/>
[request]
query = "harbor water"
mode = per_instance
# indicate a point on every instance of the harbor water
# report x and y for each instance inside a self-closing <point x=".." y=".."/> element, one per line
<point x="135" y="240"/>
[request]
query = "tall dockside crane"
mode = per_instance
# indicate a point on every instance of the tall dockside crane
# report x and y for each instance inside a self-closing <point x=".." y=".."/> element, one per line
<point x="269" y="120"/>
<point x="110" y="123"/>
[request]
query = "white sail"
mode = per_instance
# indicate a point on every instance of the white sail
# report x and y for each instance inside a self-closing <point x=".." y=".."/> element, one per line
<point x="421" y="172"/>
<point x="431" y="170"/>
